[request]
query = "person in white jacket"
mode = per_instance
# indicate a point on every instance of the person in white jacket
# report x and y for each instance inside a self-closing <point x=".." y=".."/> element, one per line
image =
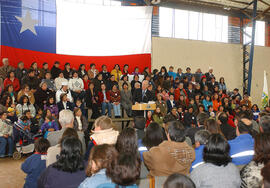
<point x="59" y="80"/>
<point x="64" y="89"/>
<point x="76" y="87"/>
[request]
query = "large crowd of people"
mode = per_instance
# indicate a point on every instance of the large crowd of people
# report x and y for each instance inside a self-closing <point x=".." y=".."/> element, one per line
<point x="200" y="134"/>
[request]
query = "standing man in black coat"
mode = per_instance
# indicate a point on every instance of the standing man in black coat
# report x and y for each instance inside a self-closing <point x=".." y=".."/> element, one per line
<point x="141" y="95"/>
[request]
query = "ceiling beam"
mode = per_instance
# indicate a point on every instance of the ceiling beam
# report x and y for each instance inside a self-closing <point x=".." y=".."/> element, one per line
<point x="212" y="8"/>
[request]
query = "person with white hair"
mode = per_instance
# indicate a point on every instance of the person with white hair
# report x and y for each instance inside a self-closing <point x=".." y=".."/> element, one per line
<point x="66" y="119"/>
<point x="65" y="90"/>
<point x="5" y="68"/>
<point x="141" y="95"/>
<point x="209" y="75"/>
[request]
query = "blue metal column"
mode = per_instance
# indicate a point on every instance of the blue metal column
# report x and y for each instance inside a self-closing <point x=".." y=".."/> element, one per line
<point x="251" y="54"/>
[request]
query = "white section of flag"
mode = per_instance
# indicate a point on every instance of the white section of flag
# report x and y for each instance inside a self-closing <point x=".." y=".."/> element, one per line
<point x="84" y="29"/>
<point x="265" y="96"/>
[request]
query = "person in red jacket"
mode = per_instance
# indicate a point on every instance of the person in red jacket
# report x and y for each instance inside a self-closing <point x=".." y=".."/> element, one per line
<point x="12" y="80"/>
<point x="180" y="91"/>
<point x="104" y="99"/>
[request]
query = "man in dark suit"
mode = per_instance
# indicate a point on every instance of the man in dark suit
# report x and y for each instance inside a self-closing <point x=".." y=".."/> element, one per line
<point x="212" y="84"/>
<point x="170" y="102"/>
<point x="209" y="75"/>
<point x="141" y="95"/>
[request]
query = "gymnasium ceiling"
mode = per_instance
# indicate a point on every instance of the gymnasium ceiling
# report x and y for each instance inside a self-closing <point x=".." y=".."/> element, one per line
<point x="225" y="6"/>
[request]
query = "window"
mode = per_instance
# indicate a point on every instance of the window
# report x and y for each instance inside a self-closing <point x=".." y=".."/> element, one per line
<point x="259" y="33"/>
<point x="193" y="25"/>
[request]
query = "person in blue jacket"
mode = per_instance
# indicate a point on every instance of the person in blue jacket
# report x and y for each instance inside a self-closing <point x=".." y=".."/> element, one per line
<point x="207" y="102"/>
<point x="201" y="138"/>
<point x="242" y="147"/>
<point x="36" y="163"/>
<point x="171" y="73"/>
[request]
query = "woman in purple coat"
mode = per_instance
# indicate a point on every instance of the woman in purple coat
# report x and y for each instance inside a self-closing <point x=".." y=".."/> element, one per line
<point x="50" y="105"/>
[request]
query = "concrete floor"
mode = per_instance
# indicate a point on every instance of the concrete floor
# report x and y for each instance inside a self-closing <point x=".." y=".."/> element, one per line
<point x="11" y="175"/>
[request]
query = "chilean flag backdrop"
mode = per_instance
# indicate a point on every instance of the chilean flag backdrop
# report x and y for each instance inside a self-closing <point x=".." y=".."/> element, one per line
<point x="29" y="34"/>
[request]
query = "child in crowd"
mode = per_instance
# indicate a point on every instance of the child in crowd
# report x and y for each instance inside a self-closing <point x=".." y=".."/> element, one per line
<point x="50" y="105"/>
<point x="5" y="136"/>
<point x="48" y="126"/>
<point x="36" y="163"/>
<point x="256" y="111"/>
<point x="149" y="118"/>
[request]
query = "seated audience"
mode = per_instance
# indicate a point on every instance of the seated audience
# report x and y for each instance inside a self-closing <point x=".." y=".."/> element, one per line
<point x="201" y="139"/>
<point x="126" y="99"/>
<point x="31" y="80"/>
<point x="36" y="163"/>
<point x="68" y="170"/>
<point x="178" y="181"/>
<point x="103" y="133"/>
<point x="265" y="124"/>
<point x="115" y="99"/>
<point x="65" y="90"/>
<point x="139" y="125"/>
<point x="116" y="72"/>
<point x="76" y="86"/>
<point x="80" y="122"/>
<point x="242" y="147"/>
<point x="190" y="118"/>
<point x="217" y="171"/>
<point x="5" y="69"/>
<point x="165" y="158"/>
<point x="55" y="71"/>
<point x="123" y="172"/>
<point x="64" y="103"/>
<point x="20" y="71"/>
<point x="59" y="80"/>
<point x="23" y="105"/>
<point x="53" y="151"/>
<point x="5" y="136"/>
<point x="154" y="135"/>
<point x="250" y="174"/>
<point x="100" y="159"/>
<point x="12" y="80"/>
<point x="66" y="120"/>
<point x="201" y="119"/>
<point x="265" y="174"/>
<point x="50" y="82"/>
<point x="158" y="116"/>
<point x="92" y="72"/>
<point x="26" y="91"/>
<point x="42" y="94"/>
<point x="227" y="130"/>
<point x="48" y="126"/>
<point x="161" y="104"/>
<point x="104" y="99"/>
<point x="50" y="105"/>
<point x="91" y="100"/>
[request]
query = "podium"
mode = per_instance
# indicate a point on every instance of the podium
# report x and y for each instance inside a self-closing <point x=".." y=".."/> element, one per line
<point x="144" y="106"/>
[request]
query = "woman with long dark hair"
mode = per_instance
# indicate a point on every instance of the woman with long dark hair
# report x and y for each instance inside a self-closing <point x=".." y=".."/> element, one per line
<point x="68" y="170"/>
<point x="82" y="71"/>
<point x="217" y="170"/>
<point x="24" y="105"/>
<point x="91" y="100"/>
<point x="11" y="79"/>
<point x="250" y="174"/>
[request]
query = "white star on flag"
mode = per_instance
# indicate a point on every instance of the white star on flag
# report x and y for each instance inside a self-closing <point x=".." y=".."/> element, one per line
<point x="27" y="23"/>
